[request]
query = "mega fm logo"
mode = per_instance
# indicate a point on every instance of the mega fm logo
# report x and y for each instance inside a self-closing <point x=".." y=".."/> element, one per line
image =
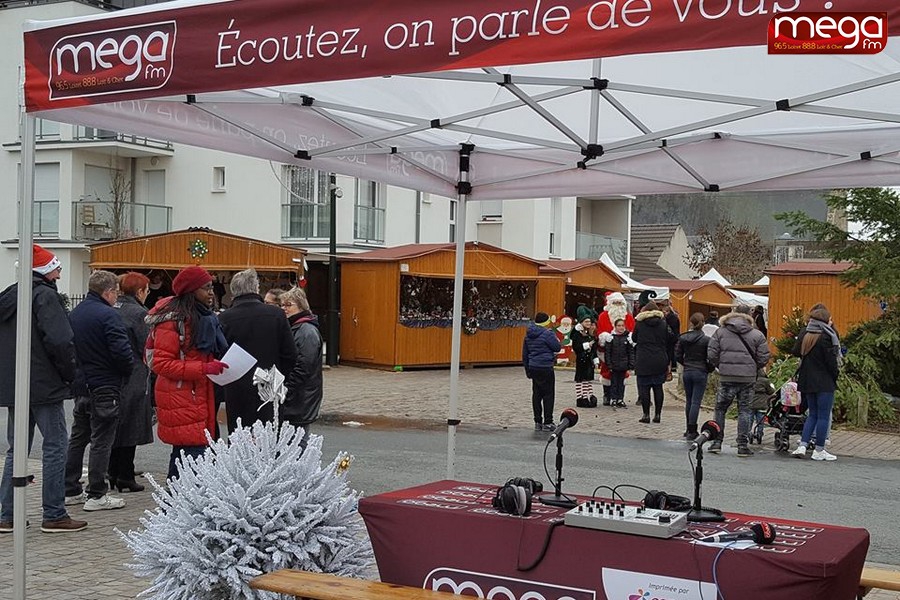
<point x="112" y="61"/>
<point x="828" y="33"/>
<point x="498" y="587"/>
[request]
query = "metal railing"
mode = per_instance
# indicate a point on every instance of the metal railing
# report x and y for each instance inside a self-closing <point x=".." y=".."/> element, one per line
<point x="593" y="245"/>
<point x="306" y="220"/>
<point x="45" y="218"/>
<point x="104" y="220"/>
<point x="93" y="134"/>
<point x="368" y="224"/>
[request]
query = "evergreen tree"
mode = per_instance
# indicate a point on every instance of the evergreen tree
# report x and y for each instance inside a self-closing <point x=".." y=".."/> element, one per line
<point x="252" y="505"/>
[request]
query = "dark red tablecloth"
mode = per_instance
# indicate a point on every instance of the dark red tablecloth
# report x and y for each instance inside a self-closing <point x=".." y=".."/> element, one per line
<point x="445" y="535"/>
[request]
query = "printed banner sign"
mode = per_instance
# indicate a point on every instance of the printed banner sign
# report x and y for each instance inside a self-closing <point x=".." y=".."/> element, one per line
<point x="633" y="585"/>
<point x="156" y="51"/>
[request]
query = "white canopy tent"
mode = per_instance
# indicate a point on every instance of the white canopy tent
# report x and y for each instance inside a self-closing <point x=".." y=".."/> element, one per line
<point x="692" y="116"/>
<point x="740" y="296"/>
<point x="630" y="284"/>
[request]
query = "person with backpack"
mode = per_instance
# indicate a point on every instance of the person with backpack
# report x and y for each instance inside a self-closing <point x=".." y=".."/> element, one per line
<point x="690" y="351"/>
<point x="819" y="349"/>
<point x="183" y="347"/>
<point x="738" y="350"/>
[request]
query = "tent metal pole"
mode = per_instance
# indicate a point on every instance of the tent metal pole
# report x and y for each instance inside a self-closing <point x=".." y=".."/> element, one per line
<point x="23" y="356"/>
<point x="463" y="190"/>
<point x="334" y="332"/>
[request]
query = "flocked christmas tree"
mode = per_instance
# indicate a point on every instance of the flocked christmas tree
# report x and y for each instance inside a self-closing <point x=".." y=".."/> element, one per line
<point x="252" y="505"/>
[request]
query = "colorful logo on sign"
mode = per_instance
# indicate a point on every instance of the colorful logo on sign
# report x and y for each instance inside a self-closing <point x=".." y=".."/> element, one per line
<point x="112" y="61"/>
<point x="498" y="587"/>
<point x="828" y="33"/>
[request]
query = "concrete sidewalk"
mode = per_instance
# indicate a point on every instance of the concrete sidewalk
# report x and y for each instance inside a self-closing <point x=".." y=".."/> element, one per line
<point x="501" y="397"/>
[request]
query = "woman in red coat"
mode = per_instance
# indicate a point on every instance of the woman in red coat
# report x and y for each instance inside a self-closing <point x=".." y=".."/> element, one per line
<point x="184" y="344"/>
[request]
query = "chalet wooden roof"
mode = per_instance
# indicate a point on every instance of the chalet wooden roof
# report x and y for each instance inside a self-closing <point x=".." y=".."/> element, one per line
<point x="409" y="251"/>
<point x="809" y="267"/>
<point x="683" y="285"/>
<point x="567" y="266"/>
<point x="170" y="251"/>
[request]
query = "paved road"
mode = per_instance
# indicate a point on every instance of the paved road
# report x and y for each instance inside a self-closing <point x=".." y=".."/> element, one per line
<point x="495" y="442"/>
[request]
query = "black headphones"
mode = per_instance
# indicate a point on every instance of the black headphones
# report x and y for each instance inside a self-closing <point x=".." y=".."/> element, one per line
<point x="514" y="497"/>
<point x="663" y="501"/>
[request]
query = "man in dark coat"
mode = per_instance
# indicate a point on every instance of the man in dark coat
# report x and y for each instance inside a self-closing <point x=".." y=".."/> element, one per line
<point x="262" y="331"/>
<point x="52" y="373"/>
<point x="538" y="357"/>
<point x="105" y="361"/>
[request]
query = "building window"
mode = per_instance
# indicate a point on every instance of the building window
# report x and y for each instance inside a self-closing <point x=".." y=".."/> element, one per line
<point x="491" y="210"/>
<point x="218" y="181"/>
<point x="45" y="129"/>
<point x="370" y="212"/>
<point x="45" y="210"/>
<point x="453" y="220"/>
<point x="305" y="207"/>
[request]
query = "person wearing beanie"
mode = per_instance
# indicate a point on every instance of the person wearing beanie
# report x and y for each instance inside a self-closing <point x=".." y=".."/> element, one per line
<point x="539" y="350"/>
<point x="583" y="345"/>
<point x="52" y="374"/>
<point x="615" y="308"/>
<point x="184" y="346"/>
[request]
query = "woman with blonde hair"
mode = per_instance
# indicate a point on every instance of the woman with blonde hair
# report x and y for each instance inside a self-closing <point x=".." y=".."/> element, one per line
<point x="819" y="350"/>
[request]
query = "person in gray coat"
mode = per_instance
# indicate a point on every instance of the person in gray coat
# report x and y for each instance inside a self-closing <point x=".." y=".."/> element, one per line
<point x="135" y="409"/>
<point x="304" y="381"/>
<point x="738" y="350"/>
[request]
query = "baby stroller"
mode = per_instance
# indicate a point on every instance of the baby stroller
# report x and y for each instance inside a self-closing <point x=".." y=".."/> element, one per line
<point x="785" y="420"/>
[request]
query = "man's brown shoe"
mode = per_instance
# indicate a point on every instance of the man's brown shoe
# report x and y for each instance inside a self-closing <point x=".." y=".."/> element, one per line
<point x="63" y="525"/>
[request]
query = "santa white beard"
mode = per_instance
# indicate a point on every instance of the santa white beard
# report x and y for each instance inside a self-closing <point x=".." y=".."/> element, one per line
<point x="616" y="311"/>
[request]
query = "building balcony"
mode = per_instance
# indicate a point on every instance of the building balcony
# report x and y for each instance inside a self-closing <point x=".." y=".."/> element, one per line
<point x="592" y="245"/>
<point x="96" y="220"/>
<point x="45" y="218"/>
<point x="368" y="224"/>
<point x="50" y="136"/>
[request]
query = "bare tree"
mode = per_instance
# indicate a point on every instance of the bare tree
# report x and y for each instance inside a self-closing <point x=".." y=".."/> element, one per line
<point x="737" y="252"/>
<point x="120" y="196"/>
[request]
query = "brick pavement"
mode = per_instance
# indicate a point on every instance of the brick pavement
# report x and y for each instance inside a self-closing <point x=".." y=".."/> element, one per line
<point x="89" y="565"/>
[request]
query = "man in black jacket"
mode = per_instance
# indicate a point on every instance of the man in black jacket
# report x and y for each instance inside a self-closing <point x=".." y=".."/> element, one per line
<point x="262" y="331"/>
<point x="52" y="373"/>
<point x="105" y="360"/>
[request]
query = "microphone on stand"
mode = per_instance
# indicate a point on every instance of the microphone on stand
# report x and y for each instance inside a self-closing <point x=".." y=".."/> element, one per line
<point x="760" y="533"/>
<point x="567" y="419"/>
<point x="709" y="431"/>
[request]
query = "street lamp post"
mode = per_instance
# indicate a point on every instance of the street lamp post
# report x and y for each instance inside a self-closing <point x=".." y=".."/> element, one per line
<point x="331" y="350"/>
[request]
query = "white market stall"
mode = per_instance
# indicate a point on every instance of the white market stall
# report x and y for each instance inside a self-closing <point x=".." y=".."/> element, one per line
<point x="643" y="98"/>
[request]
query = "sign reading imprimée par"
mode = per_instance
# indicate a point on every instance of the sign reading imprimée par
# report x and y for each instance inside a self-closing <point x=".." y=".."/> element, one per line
<point x="828" y="33"/>
<point x="238" y="45"/>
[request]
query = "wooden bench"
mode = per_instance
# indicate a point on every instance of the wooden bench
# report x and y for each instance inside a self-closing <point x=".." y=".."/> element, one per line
<point x="319" y="586"/>
<point x="883" y="579"/>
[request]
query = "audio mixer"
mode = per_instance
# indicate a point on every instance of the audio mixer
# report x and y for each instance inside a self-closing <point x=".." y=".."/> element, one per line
<point x="624" y="518"/>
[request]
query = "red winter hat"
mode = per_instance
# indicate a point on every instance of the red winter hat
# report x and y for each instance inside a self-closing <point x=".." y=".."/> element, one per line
<point x="44" y="261"/>
<point x="190" y="280"/>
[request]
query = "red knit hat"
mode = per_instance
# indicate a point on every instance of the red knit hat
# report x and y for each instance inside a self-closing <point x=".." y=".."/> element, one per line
<point x="44" y="261"/>
<point x="190" y="279"/>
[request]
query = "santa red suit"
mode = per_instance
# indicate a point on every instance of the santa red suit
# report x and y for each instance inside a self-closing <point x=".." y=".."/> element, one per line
<point x="616" y="308"/>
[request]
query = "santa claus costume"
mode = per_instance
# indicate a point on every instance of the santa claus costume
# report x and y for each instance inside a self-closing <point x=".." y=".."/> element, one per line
<point x="616" y="308"/>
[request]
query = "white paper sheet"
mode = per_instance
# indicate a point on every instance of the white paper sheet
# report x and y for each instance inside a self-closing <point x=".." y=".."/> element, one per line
<point x="239" y="361"/>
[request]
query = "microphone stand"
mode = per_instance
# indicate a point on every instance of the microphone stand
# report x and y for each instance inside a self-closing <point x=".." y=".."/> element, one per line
<point x="699" y="514"/>
<point x="557" y="498"/>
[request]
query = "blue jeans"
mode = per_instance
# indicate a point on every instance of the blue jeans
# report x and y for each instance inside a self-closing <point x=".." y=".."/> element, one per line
<point x="51" y="422"/>
<point x="728" y="391"/>
<point x="818" y="419"/>
<point x="694" y="388"/>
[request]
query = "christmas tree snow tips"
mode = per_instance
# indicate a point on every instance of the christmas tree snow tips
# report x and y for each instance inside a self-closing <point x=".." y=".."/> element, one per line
<point x="250" y="506"/>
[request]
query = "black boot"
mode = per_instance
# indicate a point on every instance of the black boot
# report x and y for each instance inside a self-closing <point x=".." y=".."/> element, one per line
<point x="656" y="418"/>
<point x="645" y="418"/>
<point x="592" y="401"/>
<point x="582" y="402"/>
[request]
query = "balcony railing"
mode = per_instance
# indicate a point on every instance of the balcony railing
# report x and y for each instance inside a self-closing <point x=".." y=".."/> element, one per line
<point x="46" y="218"/>
<point x="592" y="245"/>
<point x="103" y="220"/>
<point x="304" y="221"/>
<point x="93" y="134"/>
<point x="368" y="225"/>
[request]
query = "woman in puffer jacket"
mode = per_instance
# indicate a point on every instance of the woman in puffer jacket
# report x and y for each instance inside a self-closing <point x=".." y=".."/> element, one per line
<point x="651" y="364"/>
<point x="182" y="349"/>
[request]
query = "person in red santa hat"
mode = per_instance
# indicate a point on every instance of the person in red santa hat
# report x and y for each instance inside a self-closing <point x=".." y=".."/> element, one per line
<point x="616" y="308"/>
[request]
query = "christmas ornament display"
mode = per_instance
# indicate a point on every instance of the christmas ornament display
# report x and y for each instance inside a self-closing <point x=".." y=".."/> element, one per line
<point x="198" y="249"/>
